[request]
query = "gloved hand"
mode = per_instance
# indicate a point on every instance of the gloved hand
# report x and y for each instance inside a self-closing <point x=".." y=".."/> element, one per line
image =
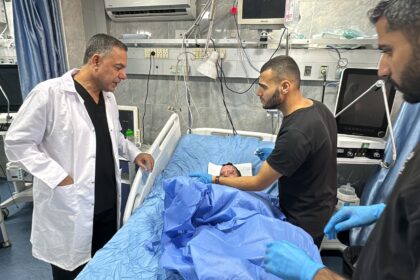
<point x="288" y="261"/>
<point x="203" y="177"/>
<point x="353" y="216"/>
<point x="263" y="153"/>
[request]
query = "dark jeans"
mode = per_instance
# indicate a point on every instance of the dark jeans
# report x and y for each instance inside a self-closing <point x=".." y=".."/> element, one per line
<point x="104" y="227"/>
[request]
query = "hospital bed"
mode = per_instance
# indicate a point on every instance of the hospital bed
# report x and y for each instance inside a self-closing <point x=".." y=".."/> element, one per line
<point x="135" y="250"/>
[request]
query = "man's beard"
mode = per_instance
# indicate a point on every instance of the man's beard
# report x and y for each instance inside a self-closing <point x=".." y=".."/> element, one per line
<point x="274" y="102"/>
<point x="410" y="81"/>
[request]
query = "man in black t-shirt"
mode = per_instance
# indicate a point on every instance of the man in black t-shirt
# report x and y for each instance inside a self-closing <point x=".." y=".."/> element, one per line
<point x="392" y="250"/>
<point x="304" y="158"/>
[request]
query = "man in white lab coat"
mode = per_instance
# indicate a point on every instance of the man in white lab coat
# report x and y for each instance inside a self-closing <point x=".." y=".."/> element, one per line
<point x="68" y="136"/>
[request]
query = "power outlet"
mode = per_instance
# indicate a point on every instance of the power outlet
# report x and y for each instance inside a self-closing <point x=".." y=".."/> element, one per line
<point x="199" y="53"/>
<point x="159" y="53"/>
<point x="323" y="71"/>
<point x="137" y="139"/>
<point x="222" y="53"/>
<point x="308" y="71"/>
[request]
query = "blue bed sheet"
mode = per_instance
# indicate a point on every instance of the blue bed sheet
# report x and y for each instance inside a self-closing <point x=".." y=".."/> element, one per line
<point x="134" y="252"/>
<point x="215" y="232"/>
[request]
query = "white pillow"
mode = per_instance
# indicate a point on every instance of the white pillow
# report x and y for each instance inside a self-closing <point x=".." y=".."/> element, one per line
<point x="244" y="168"/>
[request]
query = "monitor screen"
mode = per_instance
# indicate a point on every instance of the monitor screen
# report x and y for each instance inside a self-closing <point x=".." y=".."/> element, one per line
<point x="261" y="12"/>
<point x="367" y="116"/>
<point x="9" y="81"/>
<point x="128" y="118"/>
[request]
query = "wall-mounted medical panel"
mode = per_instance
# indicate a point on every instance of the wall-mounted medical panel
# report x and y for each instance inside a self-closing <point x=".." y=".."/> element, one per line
<point x="313" y="63"/>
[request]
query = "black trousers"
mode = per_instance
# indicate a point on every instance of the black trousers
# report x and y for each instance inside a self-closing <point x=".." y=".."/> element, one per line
<point x="104" y="227"/>
<point x="318" y="241"/>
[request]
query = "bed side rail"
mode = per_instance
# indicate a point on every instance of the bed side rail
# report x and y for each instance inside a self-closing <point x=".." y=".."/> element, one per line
<point x="227" y="132"/>
<point x="161" y="150"/>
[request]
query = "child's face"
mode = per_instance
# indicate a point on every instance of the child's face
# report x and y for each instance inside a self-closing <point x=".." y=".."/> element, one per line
<point x="228" y="171"/>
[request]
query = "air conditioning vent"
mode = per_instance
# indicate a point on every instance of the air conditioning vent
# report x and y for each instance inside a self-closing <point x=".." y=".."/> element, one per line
<point x="124" y="10"/>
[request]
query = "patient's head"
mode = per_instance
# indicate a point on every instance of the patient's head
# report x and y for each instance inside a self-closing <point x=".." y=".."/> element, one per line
<point x="229" y="170"/>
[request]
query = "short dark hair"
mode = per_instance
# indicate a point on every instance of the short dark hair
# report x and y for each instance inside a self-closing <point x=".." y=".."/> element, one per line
<point x="402" y="15"/>
<point x="236" y="169"/>
<point x="102" y="44"/>
<point x="285" y="67"/>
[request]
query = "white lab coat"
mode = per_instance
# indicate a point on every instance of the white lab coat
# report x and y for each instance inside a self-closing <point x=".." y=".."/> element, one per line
<point x="52" y="136"/>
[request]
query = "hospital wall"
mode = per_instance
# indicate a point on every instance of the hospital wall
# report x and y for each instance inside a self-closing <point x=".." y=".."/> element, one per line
<point x="83" y="18"/>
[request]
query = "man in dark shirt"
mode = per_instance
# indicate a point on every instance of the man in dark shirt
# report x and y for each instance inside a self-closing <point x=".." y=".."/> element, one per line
<point x="304" y="158"/>
<point x="392" y="250"/>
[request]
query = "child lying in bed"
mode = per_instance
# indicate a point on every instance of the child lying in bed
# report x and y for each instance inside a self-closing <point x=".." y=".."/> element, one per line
<point x="213" y="232"/>
<point x="229" y="170"/>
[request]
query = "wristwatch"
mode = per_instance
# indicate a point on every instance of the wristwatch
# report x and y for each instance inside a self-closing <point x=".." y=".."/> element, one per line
<point x="216" y="180"/>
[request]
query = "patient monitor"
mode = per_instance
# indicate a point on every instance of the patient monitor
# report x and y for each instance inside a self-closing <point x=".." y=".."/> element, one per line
<point x="129" y="119"/>
<point x="362" y="126"/>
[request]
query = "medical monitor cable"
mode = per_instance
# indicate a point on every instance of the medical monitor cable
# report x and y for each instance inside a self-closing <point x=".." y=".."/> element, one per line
<point x="380" y="84"/>
<point x="152" y="54"/>
<point x="279" y="45"/>
<point x="242" y="47"/>
<point x="245" y="91"/>
<point x="219" y="76"/>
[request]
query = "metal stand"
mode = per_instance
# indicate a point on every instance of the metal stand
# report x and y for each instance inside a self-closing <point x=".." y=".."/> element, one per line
<point x="5" y="243"/>
<point x="23" y="193"/>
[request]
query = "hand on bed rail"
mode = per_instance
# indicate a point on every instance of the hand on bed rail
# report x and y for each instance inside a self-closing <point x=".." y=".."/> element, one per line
<point x="203" y="177"/>
<point x="263" y="153"/>
<point x="286" y="260"/>
<point x="145" y="161"/>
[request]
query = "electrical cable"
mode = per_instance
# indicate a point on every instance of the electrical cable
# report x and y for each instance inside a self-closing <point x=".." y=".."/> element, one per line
<point x="334" y="48"/>
<point x="245" y="91"/>
<point x="324" y="85"/>
<point x="220" y="74"/>
<point x="278" y="47"/>
<point x="242" y="47"/>
<point x="152" y="54"/>
<point x="187" y="91"/>
<point x="220" y="78"/>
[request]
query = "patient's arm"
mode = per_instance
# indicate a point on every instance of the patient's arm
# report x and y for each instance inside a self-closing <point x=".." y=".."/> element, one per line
<point x="265" y="177"/>
<point x="326" y="274"/>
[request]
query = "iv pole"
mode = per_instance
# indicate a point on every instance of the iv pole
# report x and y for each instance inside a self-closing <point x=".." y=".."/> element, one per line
<point x="379" y="84"/>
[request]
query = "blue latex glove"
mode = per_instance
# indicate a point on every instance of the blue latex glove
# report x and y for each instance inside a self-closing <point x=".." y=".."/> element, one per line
<point x="288" y="261"/>
<point x="263" y="153"/>
<point x="353" y="216"/>
<point x="203" y="177"/>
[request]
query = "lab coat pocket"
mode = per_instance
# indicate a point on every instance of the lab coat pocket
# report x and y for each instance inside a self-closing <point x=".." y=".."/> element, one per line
<point x="64" y="199"/>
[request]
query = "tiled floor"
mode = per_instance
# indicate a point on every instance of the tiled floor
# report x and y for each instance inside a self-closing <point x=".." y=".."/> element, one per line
<point x="16" y="262"/>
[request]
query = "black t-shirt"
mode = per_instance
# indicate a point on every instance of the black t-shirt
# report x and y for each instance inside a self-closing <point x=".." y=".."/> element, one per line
<point x="305" y="154"/>
<point x="105" y="184"/>
<point x="393" y="248"/>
